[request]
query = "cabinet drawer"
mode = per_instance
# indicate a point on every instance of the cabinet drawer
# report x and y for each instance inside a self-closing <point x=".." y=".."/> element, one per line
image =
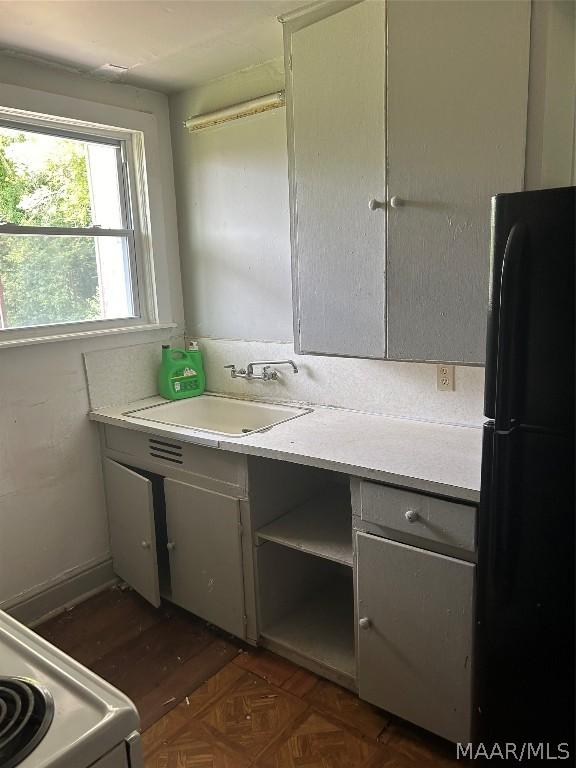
<point x="221" y="466"/>
<point x="413" y="514"/>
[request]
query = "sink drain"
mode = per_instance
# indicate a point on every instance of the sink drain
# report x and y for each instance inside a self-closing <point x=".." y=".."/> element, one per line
<point x="246" y="431"/>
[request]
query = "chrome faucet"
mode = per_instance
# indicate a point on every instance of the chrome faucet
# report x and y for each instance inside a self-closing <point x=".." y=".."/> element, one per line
<point x="266" y="375"/>
<point x="268" y="363"/>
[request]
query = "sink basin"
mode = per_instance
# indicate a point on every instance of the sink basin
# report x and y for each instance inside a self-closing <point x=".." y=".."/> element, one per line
<point x="219" y="415"/>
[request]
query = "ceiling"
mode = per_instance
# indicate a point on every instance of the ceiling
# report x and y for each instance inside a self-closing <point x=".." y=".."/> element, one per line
<point x="166" y="46"/>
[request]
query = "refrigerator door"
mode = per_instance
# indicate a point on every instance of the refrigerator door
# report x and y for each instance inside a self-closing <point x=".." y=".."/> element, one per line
<point x="530" y="341"/>
<point x="525" y="597"/>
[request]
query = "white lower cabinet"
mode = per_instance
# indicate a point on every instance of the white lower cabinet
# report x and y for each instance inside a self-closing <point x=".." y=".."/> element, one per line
<point x="131" y="520"/>
<point x="176" y="540"/>
<point x="204" y="542"/>
<point x="414" y="640"/>
<point x="318" y="551"/>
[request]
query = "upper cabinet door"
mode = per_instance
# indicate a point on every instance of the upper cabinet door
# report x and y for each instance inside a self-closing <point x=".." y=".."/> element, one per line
<point x="204" y="540"/>
<point x="457" y="103"/>
<point x="132" y="530"/>
<point x="336" y="128"/>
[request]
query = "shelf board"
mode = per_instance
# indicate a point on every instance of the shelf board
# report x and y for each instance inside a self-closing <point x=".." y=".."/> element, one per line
<point x="321" y="526"/>
<point x="321" y="630"/>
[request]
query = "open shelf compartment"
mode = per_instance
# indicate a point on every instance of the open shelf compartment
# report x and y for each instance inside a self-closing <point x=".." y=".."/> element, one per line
<point x="306" y="610"/>
<point x="321" y="526"/>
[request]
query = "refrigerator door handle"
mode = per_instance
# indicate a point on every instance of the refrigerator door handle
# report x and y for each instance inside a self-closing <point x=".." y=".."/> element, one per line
<point x="507" y="361"/>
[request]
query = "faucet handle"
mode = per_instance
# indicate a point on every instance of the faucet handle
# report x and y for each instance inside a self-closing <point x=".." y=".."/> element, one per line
<point x="269" y="375"/>
<point x="230" y="366"/>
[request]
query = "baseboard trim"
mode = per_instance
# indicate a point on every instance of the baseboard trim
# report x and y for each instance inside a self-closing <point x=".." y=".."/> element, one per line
<point x="56" y="598"/>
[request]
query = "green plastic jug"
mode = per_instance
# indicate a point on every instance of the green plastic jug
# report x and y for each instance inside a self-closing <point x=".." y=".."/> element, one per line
<point x="181" y="373"/>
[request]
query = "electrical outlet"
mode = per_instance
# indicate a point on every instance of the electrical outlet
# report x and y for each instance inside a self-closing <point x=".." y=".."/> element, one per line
<point x="445" y="378"/>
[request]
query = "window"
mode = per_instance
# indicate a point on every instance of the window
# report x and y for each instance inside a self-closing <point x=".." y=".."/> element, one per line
<point x="67" y="234"/>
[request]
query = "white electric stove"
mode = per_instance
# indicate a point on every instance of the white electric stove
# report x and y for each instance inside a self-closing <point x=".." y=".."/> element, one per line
<point x="55" y="713"/>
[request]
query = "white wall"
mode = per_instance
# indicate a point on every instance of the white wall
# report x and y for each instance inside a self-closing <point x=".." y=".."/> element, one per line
<point x="52" y="512"/>
<point x="232" y="194"/>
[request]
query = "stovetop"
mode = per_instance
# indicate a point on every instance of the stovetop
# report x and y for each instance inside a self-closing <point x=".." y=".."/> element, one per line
<point x="26" y="713"/>
<point x="88" y="716"/>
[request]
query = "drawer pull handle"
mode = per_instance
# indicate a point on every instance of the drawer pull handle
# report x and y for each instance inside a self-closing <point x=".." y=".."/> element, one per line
<point x="145" y="544"/>
<point x="170" y="546"/>
<point x="411" y="515"/>
<point x="365" y="623"/>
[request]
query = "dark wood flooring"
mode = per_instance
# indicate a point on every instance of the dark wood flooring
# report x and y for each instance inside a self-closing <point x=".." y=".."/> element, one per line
<point x="156" y="656"/>
<point x="207" y="702"/>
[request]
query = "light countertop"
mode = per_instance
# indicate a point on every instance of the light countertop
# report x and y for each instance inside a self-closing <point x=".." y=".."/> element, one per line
<point x="425" y="456"/>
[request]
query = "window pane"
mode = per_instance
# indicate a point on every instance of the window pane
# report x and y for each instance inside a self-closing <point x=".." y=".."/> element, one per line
<point x="52" y="181"/>
<point x="47" y="279"/>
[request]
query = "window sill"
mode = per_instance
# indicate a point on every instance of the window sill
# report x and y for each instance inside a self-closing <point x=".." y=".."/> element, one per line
<point x="88" y="334"/>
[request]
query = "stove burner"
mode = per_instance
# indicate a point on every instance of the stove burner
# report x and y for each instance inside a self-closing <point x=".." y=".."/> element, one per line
<point x="26" y="711"/>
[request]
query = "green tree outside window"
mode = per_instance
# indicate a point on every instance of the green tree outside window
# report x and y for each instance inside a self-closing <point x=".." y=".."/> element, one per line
<point x="45" y="279"/>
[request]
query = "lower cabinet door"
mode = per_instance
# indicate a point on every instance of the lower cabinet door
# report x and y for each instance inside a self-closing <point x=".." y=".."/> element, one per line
<point x="204" y="540"/>
<point x="415" y="621"/>
<point x="132" y="531"/>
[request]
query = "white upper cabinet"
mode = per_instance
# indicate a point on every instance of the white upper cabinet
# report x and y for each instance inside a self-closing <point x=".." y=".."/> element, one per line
<point x="422" y="101"/>
<point x="337" y="161"/>
<point x="457" y="104"/>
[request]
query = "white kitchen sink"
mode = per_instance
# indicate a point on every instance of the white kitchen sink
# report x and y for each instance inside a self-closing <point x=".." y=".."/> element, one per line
<point x="219" y="415"/>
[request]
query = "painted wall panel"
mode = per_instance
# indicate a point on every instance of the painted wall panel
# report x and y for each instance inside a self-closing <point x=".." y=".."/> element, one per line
<point x="238" y="284"/>
<point x="232" y="184"/>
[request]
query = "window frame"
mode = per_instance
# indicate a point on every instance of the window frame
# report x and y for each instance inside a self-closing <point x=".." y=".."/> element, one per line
<point x="135" y="214"/>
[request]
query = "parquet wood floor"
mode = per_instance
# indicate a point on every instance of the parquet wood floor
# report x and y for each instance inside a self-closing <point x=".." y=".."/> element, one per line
<point x="207" y="703"/>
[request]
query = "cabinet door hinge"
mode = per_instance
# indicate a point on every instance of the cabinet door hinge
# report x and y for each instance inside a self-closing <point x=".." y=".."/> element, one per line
<point x="290" y="62"/>
<point x="245" y="619"/>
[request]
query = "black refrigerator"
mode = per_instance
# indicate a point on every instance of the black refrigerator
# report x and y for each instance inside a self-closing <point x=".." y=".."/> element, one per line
<point x="524" y="672"/>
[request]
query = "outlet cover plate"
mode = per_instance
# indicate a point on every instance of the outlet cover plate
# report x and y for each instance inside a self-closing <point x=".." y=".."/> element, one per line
<point x="445" y="378"/>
